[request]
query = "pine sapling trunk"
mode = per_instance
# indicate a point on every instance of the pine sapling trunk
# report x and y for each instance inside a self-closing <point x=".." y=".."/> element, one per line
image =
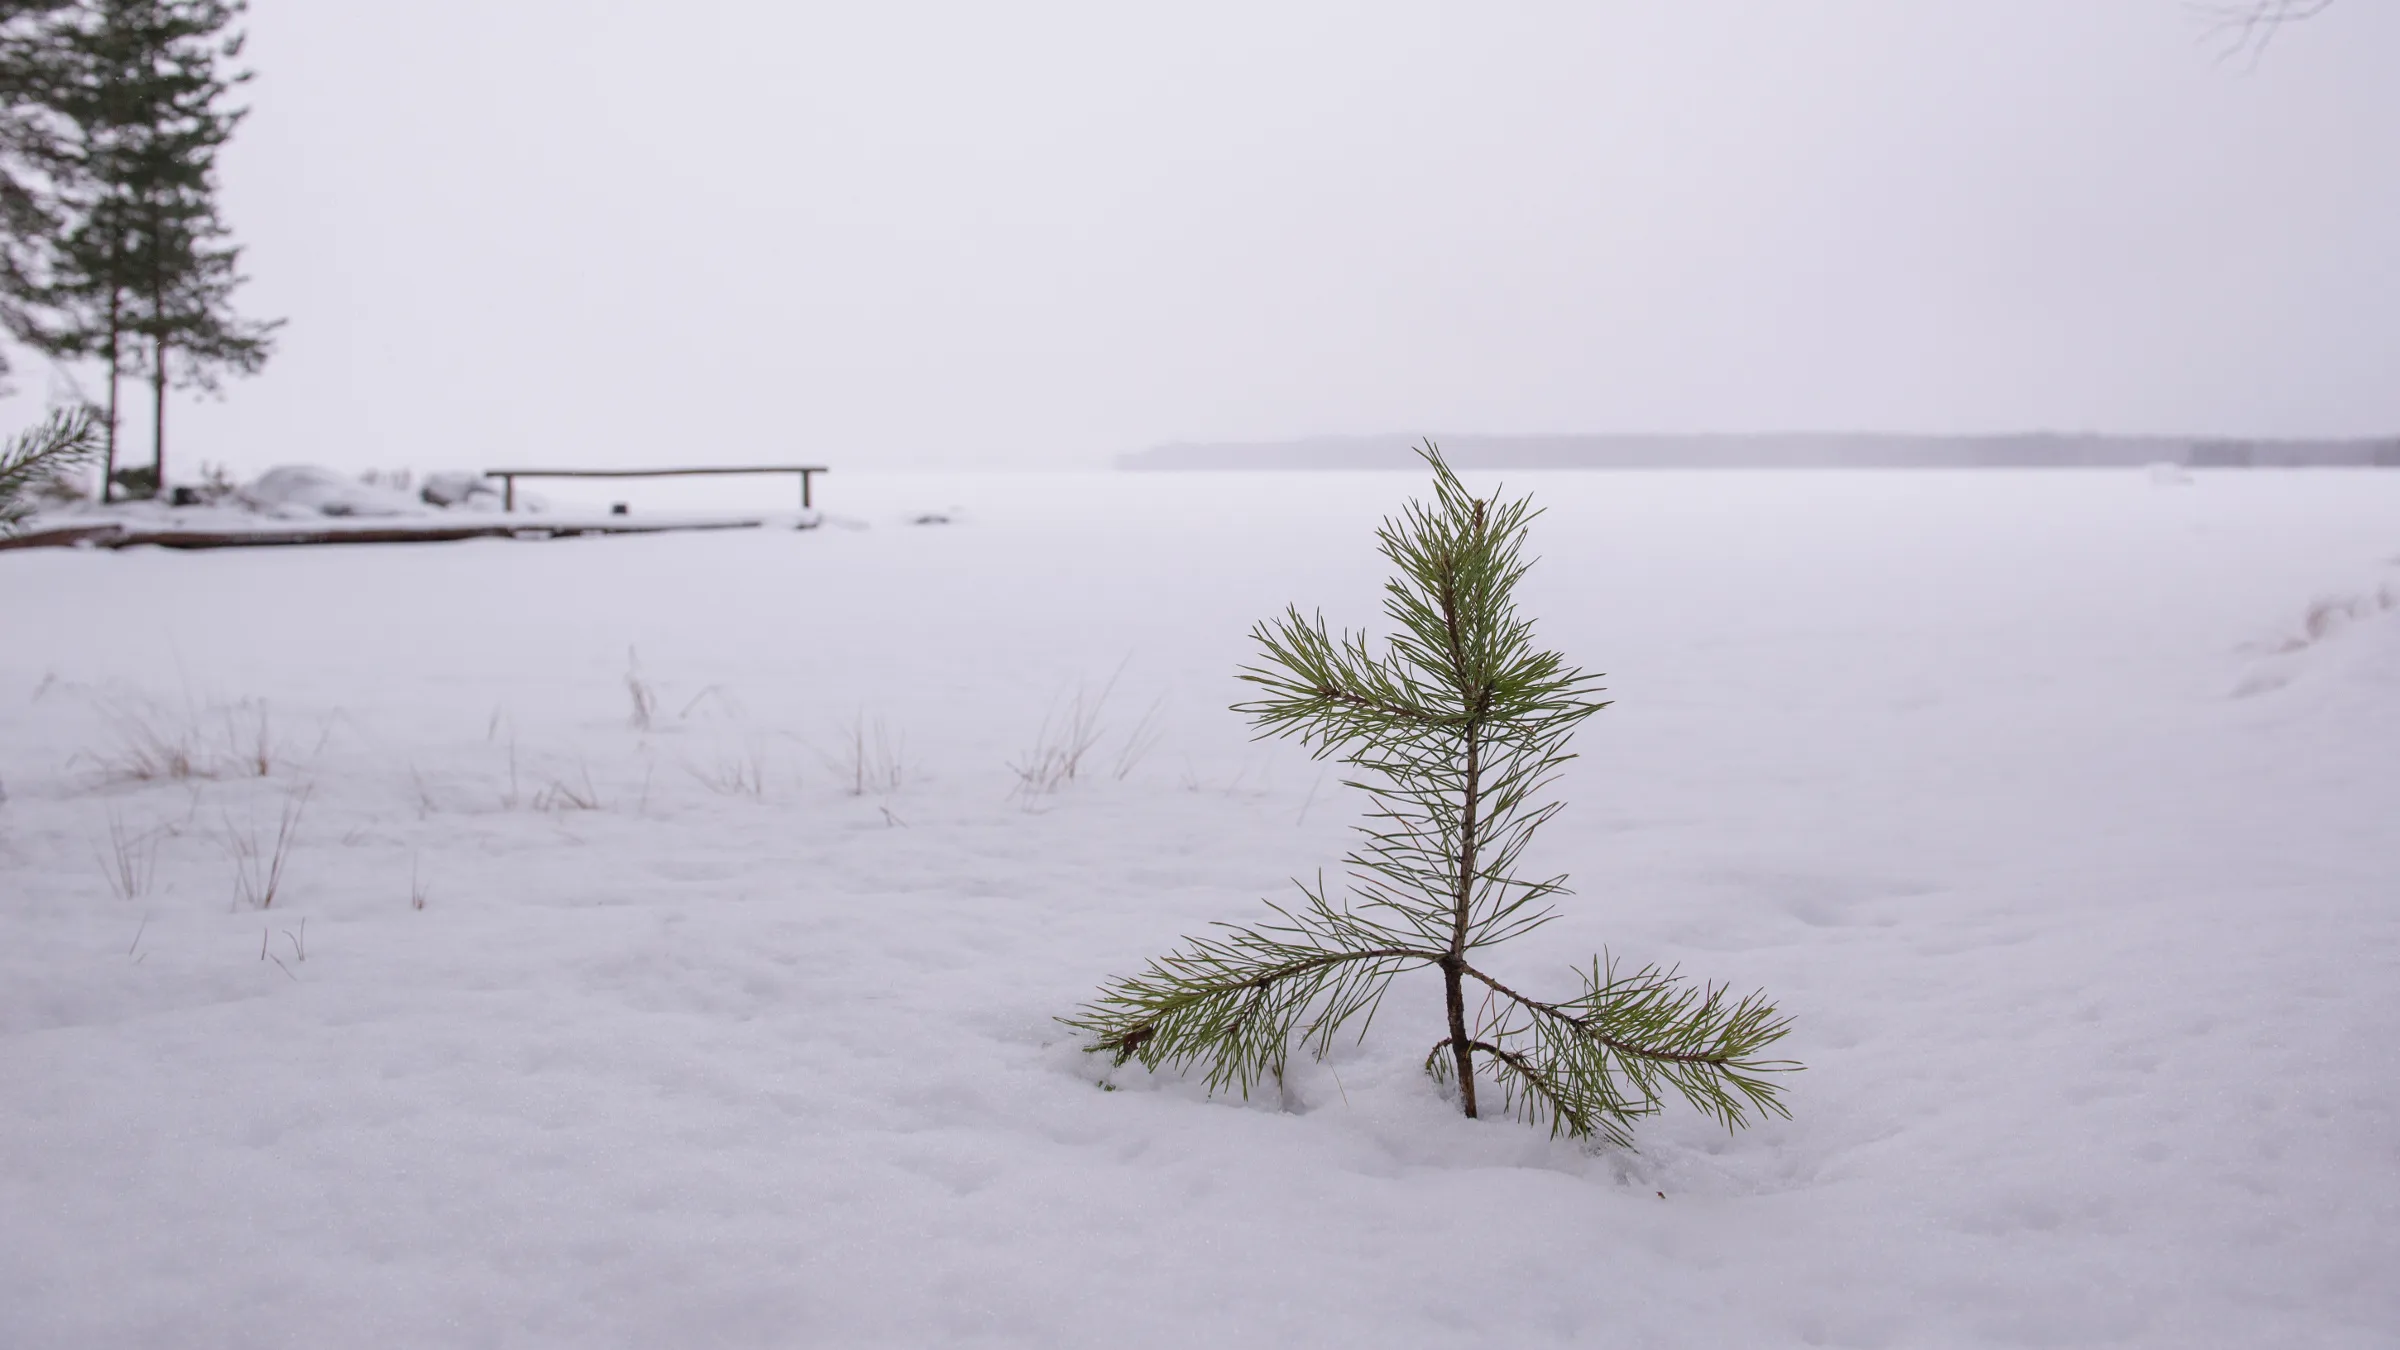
<point x="1462" y="898"/>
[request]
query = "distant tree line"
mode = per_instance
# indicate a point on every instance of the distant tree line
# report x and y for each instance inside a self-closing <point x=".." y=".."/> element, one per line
<point x="112" y="248"/>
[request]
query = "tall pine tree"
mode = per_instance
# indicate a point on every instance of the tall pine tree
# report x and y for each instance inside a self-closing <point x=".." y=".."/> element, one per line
<point x="142" y="277"/>
<point x="30" y="215"/>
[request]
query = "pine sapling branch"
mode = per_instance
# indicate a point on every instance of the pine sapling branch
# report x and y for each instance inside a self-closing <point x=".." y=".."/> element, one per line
<point x="66" y="440"/>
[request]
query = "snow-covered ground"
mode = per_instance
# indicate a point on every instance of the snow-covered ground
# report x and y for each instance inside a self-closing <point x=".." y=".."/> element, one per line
<point x="2045" y="802"/>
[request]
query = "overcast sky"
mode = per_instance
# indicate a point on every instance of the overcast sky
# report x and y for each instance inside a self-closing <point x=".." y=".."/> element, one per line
<point x="891" y="235"/>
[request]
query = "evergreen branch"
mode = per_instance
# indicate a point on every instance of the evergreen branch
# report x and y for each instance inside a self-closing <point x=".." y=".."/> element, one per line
<point x="1239" y="1003"/>
<point x="1319" y="684"/>
<point x="1651" y="1029"/>
<point x="1535" y="1089"/>
<point x="67" y="439"/>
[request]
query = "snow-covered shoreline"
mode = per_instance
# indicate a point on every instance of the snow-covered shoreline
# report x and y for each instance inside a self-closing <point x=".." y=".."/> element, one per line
<point x="2040" y="800"/>
<point x="299" y="505"/>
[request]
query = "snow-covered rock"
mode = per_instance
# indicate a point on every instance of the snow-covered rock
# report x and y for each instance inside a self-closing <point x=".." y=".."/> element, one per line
<point x="458" y="489"/>
<point x="302" y="489"/>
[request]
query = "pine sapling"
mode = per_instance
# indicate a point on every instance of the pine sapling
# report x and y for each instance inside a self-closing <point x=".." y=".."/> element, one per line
<point x="1455" y="731"/>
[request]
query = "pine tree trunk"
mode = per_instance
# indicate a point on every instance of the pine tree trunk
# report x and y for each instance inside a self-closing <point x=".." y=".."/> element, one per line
<point x="158" y="416"/>
<point x="158" y="355"/>
<point x="108" y="462"/>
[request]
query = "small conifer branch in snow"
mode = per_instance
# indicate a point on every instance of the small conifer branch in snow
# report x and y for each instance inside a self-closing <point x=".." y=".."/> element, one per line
<point x="66" y="440"/>
<point x="1454" y="731"/>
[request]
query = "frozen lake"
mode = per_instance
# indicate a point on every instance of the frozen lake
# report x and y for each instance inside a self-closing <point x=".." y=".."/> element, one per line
<point x="2056" y="808"/>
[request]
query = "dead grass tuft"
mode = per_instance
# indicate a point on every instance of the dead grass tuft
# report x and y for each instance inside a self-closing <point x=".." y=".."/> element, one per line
<point x="645" y="697"/>
<point x="737" y="776"/>
<point x="1069" y="735"/>
<point x="258" y="870"/>
<point x="565" y="795"/>
<point x="872" y="759"/>
<point x="130" y="862"/>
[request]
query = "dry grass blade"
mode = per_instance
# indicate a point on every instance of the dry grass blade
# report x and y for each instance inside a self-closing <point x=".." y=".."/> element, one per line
<point x="562" y="795"/>
<point x="1141" y="740"/>
<point x="871" y="760"/>
<point x="250" y="738"/>
<point x="644" y="696"/>
<point x="131" y="859"/>
<point x="148" y="749"/>
<point x="258" y="871"/>
<point x="744" y="776"/>
<point x="1066" y="737"/>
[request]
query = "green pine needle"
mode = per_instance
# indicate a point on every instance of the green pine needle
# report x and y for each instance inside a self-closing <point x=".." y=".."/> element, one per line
<point x="67" y="439"/>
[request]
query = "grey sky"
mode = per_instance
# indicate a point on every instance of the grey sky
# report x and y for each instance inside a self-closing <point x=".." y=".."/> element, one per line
<point x="617" y="231"/>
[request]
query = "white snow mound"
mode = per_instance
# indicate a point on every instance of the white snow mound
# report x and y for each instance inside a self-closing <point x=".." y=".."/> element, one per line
<point x="304" y="489"/>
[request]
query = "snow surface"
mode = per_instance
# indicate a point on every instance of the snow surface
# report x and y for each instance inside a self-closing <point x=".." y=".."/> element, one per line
<point x="2055" y="807"/>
